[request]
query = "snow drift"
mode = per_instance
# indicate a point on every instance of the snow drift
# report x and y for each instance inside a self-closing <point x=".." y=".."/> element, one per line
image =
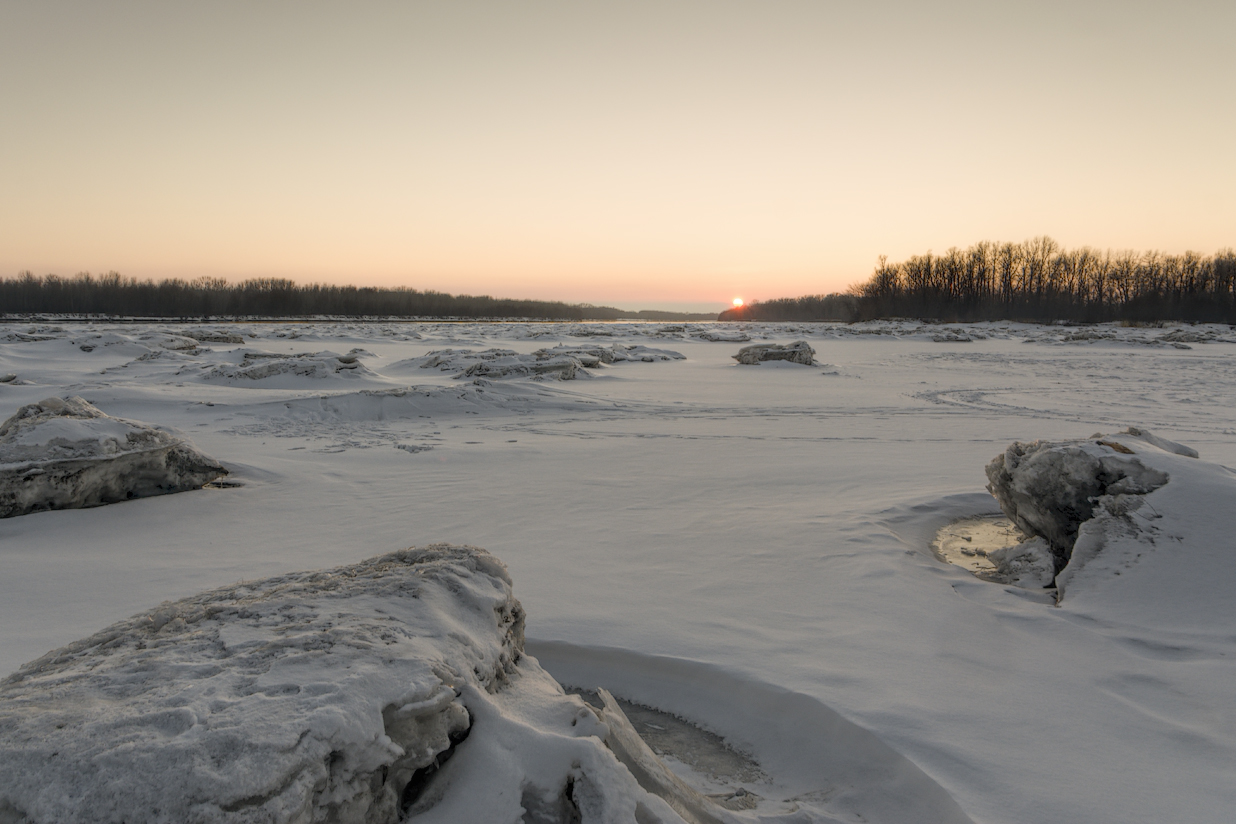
<point x="66" y="454"/>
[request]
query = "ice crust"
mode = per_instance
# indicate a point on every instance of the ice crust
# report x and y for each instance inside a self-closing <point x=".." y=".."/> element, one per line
<point x="797" y="352"/>
<point x="63" y="453"/>
<point x="313" y="696"/>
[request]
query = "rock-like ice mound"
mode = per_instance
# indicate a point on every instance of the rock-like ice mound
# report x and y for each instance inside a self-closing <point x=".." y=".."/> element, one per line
<point x="1050" y="489"/>
<point x="260" y="366"/>
<point x="797" y="352"/>
<point x="390" y="689"/>
<point x="591" y="356"/>
<point x="63" y="453"/>
<point x="503" y="363"/>
<point x="564" y="362"/>
<point x="1121" y="537"/>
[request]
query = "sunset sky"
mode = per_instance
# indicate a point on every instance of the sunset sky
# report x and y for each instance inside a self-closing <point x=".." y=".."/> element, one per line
<point x="638" y="154"/>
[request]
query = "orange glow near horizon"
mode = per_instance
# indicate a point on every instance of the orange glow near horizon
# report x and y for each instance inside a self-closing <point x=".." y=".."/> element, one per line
<point x="635" y="155"/>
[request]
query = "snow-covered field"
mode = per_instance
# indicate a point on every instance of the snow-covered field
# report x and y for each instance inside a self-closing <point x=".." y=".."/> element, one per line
<point x="745" y="546"/>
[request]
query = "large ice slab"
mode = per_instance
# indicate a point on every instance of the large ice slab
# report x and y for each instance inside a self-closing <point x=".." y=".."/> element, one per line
<point x="336" y="695"/>
<point x="63" y="453"/>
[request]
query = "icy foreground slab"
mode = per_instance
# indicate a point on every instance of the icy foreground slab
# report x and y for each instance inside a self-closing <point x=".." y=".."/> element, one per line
<point x="63" y="453"/>
<point x="333" y="695"/>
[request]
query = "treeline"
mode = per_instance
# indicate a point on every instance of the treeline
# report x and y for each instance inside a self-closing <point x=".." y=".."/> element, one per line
<point x="116" y="295"/>
<point x="809" y="307"/>
<point x="1034" y="281"/>
<point x="1039" y="280"/>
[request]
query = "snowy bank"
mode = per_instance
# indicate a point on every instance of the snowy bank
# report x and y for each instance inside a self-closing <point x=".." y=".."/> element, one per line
<point x="66" y="454"/>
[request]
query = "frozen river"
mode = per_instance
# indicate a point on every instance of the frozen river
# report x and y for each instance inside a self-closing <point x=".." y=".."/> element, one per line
<point x="771" y="523"/>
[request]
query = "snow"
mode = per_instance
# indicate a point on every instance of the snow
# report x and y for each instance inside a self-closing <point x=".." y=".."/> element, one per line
<point x="764" y="527"/>
<point x="63" y="453"/>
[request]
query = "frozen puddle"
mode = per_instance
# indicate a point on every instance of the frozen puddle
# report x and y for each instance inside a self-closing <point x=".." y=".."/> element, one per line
<point x="700" y="758"/>
<point x="759" y="751"/>
<point x="969" y="543"/>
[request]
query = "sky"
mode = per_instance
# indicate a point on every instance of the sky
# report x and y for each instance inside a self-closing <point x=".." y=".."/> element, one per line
<point x="638" y="154"/>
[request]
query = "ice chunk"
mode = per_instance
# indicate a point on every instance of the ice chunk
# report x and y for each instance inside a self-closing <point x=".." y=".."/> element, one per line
<point x="214" y="336"/>
<point x="726" y="336"/>
<point x="1051" y="489"/>
<point x="63" y="453"/>
<point x="390" y="688"/>
<point x="260" y="366"/>
<point x="590" y="356"/>
<point x="797" y="352"/>
<point x="505" y="363"/>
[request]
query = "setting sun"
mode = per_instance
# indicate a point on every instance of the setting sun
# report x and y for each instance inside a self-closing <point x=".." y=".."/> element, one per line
<point x="737" y="302"/>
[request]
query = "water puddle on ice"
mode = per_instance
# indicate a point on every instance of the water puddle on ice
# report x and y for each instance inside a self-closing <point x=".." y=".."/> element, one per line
<point x="968" y="543"/>
<point x="700" y="758"/>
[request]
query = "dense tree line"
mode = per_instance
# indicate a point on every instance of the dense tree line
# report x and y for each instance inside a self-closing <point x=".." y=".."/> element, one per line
<point x="1036" y="281"/>
<point x="1039" y="280"/>
<point x="809" y="307"/>
<point x="116" y="295"/>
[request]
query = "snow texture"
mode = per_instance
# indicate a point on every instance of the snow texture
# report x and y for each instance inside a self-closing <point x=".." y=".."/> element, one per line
<point x="63" y="453"/>
<point x="797" y="352"/>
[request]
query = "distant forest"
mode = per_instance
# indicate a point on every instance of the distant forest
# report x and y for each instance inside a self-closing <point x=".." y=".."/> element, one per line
<point x="113" y="294"/>
<point x="1035" y="281"/>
